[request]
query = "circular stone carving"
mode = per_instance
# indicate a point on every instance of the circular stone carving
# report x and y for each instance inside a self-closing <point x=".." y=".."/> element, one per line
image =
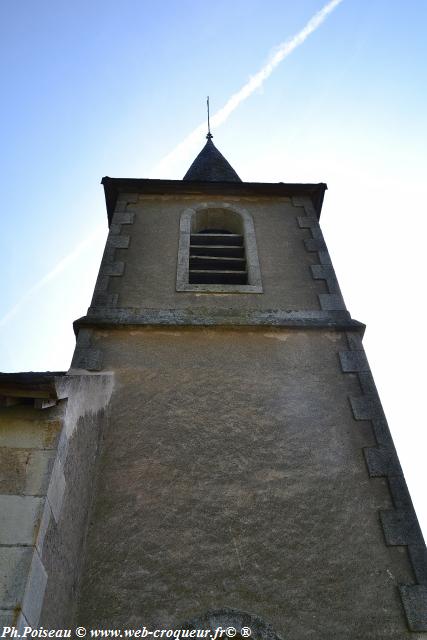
<point x="225" y="618"/>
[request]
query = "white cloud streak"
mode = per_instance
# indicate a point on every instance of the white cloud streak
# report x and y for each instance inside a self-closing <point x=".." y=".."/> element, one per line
<point x="192" y="140"/>
<point x="255" y="82"/>
<point x="55" y="271"/>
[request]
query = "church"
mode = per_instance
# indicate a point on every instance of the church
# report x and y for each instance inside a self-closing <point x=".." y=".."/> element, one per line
<point x="217" y="456"/>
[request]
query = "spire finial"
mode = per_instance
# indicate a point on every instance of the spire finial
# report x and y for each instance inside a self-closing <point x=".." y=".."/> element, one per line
<point x="209" y="136"/>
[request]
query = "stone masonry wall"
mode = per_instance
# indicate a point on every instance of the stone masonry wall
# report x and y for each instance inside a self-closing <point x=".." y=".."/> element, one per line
<point x="47" y="461"/>
<point x="233" y="477"/>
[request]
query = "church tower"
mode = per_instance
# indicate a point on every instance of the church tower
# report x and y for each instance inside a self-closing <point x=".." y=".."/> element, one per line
<point x="227" y="461"/>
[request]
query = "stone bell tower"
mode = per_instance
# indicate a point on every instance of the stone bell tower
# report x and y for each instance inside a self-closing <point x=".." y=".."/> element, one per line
<point x="248" y="468"/>
<point x="247" y="476"/>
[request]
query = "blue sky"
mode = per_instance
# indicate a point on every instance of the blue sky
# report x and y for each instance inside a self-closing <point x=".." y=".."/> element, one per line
<point x="110" y="88"/>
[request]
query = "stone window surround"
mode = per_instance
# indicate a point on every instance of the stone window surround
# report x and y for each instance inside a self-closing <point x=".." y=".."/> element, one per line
<point x="254" y="273"/>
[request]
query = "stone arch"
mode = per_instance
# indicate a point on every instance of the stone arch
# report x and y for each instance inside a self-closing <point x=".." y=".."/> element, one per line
<point x="218" y="215"/>
<point x="217" y="218"/>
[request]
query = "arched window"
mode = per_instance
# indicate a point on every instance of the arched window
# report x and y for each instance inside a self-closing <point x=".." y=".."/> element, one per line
<point x="217" y="251"/>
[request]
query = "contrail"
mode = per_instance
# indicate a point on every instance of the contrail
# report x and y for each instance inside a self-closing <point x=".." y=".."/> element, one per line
<point x="62" y="264"/>
<point x="255" y="82"/>
<point x="193" y="139"/>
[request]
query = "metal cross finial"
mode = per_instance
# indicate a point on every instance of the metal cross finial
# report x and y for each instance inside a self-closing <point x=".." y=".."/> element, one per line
<point x="209" y="125"/>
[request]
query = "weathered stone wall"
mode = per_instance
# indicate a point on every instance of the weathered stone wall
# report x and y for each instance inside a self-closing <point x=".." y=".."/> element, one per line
<point x="28" y="448"/>
<point x="233" y="476"/>
<point x="46" y="477"/>
<point x="145" y="246"/>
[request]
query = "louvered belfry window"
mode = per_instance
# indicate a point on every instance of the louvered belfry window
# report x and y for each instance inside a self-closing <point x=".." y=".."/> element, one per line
<point x="217" y="256"/>
<point x="217" y="250"/>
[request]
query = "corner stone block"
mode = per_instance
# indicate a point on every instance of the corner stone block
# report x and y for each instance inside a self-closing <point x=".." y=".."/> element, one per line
<point x="400" y="527"/>
<point x="331" y="302"/>
<point x="355" y="342"/>
<point x="322" y="271"/>
<point x="14" y="567"/>
<point x="315" y="244"/>
<point x="34" y="592"/>
<point x="118" y="242"/>
<point x="56" y="489"/>
<point x="84" y="338"/>
<point x="414" y="598"/>
<point x="102" y="282"/>
<point x="113" y="268"/>
<point x="20" y="519"/>
<point x="382" y="462"/>
<point x="25" y="471"/>
<point x="89" y="359"/>
<point x="307" y="222"/>
<point x="367" y="383"/>
<point x="326" y="272"/>
<point x="366" y="407"/>
<point x="418" y="556"/>
<point x="304" y="202"/>
<point x="22" y="431"/>
<point x="353" y="361"/>
<point x="7" y="618"/>
<point x="21" y="623"/>
<point x="399" y="493"/>
<point x="102" y="299"/>
<point x="115" y="229"/>
<point x="123" y="217"/>
<point x="324" y="257"/>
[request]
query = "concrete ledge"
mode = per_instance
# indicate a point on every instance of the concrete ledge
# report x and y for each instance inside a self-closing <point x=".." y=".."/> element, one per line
<point x="29" y="384"/>
<point x="339" y="320"/>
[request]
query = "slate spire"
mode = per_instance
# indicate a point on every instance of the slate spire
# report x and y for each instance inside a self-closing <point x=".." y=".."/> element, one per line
<point x="211" y="166"/>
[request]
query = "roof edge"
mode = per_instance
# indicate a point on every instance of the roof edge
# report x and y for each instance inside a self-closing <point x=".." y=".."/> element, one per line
<point x="114" y="186"/>
<point x="30" y="384"/>
<point x="124" y="317"/>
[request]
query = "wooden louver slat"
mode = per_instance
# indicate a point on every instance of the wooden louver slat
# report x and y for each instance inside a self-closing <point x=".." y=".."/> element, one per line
<point x="217" y="258"/>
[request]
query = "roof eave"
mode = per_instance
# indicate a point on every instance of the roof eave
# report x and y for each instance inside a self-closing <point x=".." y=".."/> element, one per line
<point x="114" y="186"/>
